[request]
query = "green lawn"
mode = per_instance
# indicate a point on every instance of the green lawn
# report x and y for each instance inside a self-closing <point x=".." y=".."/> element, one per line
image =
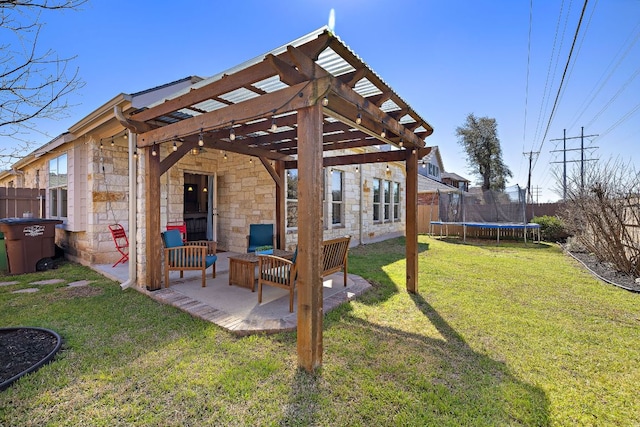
<point x="498" y="335"/>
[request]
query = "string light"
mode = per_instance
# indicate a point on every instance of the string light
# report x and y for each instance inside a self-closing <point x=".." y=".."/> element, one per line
<point x="201" y="139"/>
<point x="359" y="118"/>
<point x="225" y="156"/>
<point x="388" y="170"/>
<point x="383" y="133"/>
<point x="401" y="143"/>
<point x="126" y="134"/>
<point x="325" y="101"/>
<point x="135" y="154"/>
<point x="112" y="142"/>
<point x="251" y="160"/>
<point x="274" y="126"/>
<point x="357" y="169"/>
<point x="101" y="145"/>
<point x="175" y="146"/>
<point x="153" y="150"/>
<point x="232" y="133"/>
<point x="424" y="165"/>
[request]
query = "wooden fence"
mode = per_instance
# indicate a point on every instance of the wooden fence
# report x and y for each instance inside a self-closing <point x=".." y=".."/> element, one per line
<point x="22" y="202"/>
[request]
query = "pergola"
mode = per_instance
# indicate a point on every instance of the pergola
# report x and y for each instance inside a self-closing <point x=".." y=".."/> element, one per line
<point x="289" y="108"/>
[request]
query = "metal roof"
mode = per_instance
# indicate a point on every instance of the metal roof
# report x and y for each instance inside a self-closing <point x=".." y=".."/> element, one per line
<point x="339" y="61"/>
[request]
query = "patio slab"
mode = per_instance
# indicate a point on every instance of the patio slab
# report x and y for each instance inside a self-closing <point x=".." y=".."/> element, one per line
<point x="235" y="308"/>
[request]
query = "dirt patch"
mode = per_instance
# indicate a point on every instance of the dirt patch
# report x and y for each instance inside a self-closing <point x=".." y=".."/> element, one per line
<point x="75" y="292"/>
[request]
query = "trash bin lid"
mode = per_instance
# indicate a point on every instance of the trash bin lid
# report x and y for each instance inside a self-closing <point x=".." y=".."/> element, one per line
<point x="18" y="221"/>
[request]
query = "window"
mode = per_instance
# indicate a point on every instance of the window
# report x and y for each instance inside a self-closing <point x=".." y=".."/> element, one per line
<point x="337" y="197"/>
<point x="292" y="198"/>
<point x="387" y="200"/>
<point x="58" y="187"/>
<point x="396" y="201"/>
<point x="376" y="199"/>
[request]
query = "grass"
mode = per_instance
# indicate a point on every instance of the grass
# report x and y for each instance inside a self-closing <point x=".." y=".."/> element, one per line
<point x="497" y="335"/>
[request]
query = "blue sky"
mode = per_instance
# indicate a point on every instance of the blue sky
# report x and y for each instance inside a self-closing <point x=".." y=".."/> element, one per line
<point x="445" y="58"/>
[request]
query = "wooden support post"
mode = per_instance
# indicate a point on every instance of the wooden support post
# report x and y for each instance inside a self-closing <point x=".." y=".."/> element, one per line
<point x="153" y="247"/>
<point x="309" y="284"/>
<point x="412" y="221"/>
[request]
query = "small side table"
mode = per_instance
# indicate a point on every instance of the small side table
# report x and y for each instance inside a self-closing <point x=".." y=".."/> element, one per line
<point x="242" y="268"/>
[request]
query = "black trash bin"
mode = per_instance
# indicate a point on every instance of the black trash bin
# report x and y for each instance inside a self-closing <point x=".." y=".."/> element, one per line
<point x="30" y="243"/>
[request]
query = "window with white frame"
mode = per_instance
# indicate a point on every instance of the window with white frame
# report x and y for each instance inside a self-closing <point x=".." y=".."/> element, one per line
<point x="337" y="197"/>
<point x="386" y="201"/>
<point x="58" y="187"/>
<point x="292" y="198"/>
<point x="377" y="184"/>
<point x="396" y="201"/>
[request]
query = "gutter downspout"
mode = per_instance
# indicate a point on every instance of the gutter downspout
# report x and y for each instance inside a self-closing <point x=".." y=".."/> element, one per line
<point x="133" y="202"/>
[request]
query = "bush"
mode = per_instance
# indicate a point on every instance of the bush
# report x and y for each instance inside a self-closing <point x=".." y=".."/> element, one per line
<point x="551" y="228"/>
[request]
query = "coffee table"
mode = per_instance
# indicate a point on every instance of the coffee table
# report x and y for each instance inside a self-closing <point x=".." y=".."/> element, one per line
<point x="242" y="268"/>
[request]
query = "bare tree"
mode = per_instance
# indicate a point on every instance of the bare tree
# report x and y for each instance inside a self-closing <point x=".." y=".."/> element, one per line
<point x="34" y="82"/>
<point x="604" y="215"/>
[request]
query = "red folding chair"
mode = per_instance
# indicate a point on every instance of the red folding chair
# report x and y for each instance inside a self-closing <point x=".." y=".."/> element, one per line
<point x="121" y="242"/>
<point x="181" y="226"/>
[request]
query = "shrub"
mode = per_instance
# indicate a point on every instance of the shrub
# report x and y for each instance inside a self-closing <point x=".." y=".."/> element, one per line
<point x="551" y="228"/>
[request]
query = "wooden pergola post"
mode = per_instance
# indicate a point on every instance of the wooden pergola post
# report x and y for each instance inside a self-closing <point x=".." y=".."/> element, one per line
<point x="153" y="247"/>
<point x="309" y="259"/>
<point x="412" y="221"/>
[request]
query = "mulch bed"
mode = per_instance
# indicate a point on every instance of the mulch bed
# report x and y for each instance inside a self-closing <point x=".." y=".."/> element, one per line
<point x="604" y="271"/>
<point x="23" y="348"/>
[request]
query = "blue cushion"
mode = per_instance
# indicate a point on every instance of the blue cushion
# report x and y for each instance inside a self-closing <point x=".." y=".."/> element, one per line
<point x="210" y="260"/>
<point x="260" y="235"/>
<point x="172" y="239"/>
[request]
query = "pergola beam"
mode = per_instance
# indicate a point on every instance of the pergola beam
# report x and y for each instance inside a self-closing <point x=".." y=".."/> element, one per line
<point x="292" y="98"/>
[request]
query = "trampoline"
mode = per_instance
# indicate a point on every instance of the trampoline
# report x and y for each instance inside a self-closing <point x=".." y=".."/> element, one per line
<point x="498" y="226"/>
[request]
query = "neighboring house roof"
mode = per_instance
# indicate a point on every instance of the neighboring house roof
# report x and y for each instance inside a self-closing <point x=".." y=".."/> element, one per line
<point x="453" y="176"/>
<point x="430" y="185"/>
<point x="434" y="155"/>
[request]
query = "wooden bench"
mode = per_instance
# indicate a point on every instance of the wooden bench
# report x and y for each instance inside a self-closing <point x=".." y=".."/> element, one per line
<point x="280" y="272"/>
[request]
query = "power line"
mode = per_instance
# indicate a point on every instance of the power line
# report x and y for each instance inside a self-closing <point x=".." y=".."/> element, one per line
<point x="555" y="104"/>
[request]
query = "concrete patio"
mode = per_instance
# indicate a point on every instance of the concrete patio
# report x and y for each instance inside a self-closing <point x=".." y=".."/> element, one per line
<point x="235" y="308"/>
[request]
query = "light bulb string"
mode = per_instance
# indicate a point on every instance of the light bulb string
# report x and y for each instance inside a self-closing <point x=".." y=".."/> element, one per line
<point x="227" y="124"/>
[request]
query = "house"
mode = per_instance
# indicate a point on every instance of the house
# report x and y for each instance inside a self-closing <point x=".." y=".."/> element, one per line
<point x="454" y="180"/>
<point x="306" y="137"/>
<point x="217" y="191"/>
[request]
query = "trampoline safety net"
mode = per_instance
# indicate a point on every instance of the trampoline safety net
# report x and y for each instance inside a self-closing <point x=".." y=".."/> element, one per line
<point x="487" y="206"/>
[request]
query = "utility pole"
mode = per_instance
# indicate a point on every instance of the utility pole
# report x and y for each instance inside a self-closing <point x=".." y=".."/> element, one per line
<point x="565" y="161"/>
<point x="530" y="154"/>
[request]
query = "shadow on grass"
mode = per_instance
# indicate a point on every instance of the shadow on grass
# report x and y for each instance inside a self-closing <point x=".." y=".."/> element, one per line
<point x="450" y="383"/>
<point x="371" y="260"/>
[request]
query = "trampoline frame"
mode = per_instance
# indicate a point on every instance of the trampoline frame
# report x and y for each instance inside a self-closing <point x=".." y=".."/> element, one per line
<point x="490" y="225"/>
